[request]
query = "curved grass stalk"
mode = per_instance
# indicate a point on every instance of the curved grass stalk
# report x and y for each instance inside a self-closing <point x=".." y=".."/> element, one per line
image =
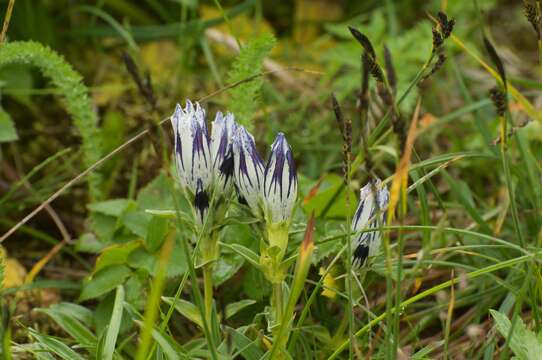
<point x="74" y="92"/>
<point x="433" y="290"/>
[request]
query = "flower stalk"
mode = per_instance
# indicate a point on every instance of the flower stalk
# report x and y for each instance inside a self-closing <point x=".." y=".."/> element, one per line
<point x="300" y="275"/>
<point x="205" y="168"/>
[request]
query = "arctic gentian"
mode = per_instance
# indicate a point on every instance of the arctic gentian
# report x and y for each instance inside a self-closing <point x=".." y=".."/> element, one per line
<point x="368" y="216"/>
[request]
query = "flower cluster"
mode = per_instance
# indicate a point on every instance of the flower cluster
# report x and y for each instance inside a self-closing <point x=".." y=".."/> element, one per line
<point x="210" y="166"/>
<point x="204" y="163"/>
<point x="369" y="216"/>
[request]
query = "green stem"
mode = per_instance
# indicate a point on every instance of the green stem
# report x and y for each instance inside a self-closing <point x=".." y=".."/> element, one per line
<point x="209" y="254"/>
<point x="278" y="307"/>
<point x="340" y="329"/>
<point x="208" y="290"/>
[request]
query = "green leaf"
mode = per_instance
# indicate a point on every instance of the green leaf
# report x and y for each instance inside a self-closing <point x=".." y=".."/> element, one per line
<point x="7" y="128"/>
<point x="330" y="199"/>
<point x="104" y="281"/>
<point x="225" y="267"/>
<point x="156" y="232"/>
<point x="75" y="311"/>
<point x="135" y="288"/>
<point x="143" y="259"/>
<point x="245" y="252"/>
<point x="156" y="195"/>
<point x="115" y="255"/>
<point x="137" y="222"/>
<point x="247" y="347"/>
<point x="172" y="350"/>
<point x="245" y="98"/>
<point x="255" y="285"/>
<point x="186" y="309"/>
<point x="103" y="226"/>
<point x="464" y="196"/>
<point x="423" y="353"/>
<point x="523" y="342"/>
<point x="114" y="325"/>
<point x="234" y="308"/>
<point x="55" y="346"/>
<point x="88" y="242"/>
<point x="72" y="326"/>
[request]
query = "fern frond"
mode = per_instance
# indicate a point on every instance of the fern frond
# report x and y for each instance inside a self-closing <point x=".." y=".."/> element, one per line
<point x="245" y="98"/>
<point x="74" y="92"/>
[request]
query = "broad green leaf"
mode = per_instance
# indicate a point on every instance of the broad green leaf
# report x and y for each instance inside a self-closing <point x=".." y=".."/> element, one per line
<point x="135" y="288"/>
<point x="88" y="242"/>
<point x="255" y="285"/>
<point x="234" y="308"/>
<point x="78" y="312"/>
<point x="225" y="267"/>
<point x="7" y="128"/>
<point x="330" y="199"/>
<point x="185" y="308"/>
<point x="104" y="281"/>
<point x="114" y="325"/>
<point x="104" y="226"/>
<point x="142" y="259"/>
<point x="156" y="195"/>
<point x="156" y="232"/>
<point x="115" y="255"/>
<point x="55" y="346"/>
<point x="137" y="222"/>
<point x="523" y="342"/>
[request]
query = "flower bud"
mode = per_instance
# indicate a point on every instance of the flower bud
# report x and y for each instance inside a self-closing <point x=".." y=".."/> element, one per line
<point x="248" y="169"/>
<point x="192" y="154"/>
<point x="368" y="216"/>
<point x="280" y="182"/>
<point x="222" y="151"/>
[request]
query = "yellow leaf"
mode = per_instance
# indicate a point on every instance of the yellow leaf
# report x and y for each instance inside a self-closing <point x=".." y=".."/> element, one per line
<point x="14" y="274"/>
<point x="329" y="284"/>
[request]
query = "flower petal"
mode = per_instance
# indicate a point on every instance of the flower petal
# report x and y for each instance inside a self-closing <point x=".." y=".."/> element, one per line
<point x="367" y="244"/>
<point x="280" y="181"/>
<point x="248" y="169"/>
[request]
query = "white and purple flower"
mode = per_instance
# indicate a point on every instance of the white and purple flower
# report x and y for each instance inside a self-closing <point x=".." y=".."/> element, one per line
<point x="248" y="169"/>
<point x="368" y="216"/>
<point x="204" y="163"/>
<point x="280" y="182"/>
<point x="192" y="153"/>
<point x="222" y="150"/>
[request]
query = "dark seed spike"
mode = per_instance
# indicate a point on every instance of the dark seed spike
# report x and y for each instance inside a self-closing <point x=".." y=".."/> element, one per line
<point x="144" y="87"/>
<point x="338" y="114"/>
<point x="442" y="19"/>
<point x="363" y="100"/>
<point x="437" y="39"/>
<point x="373" y="67"/>
<point x="499" y="100"/>
<point x="497" y="61"/>
<point x="390" y="69"/>
<point x="531" y="14"/>
<point x="364" y="41"/>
